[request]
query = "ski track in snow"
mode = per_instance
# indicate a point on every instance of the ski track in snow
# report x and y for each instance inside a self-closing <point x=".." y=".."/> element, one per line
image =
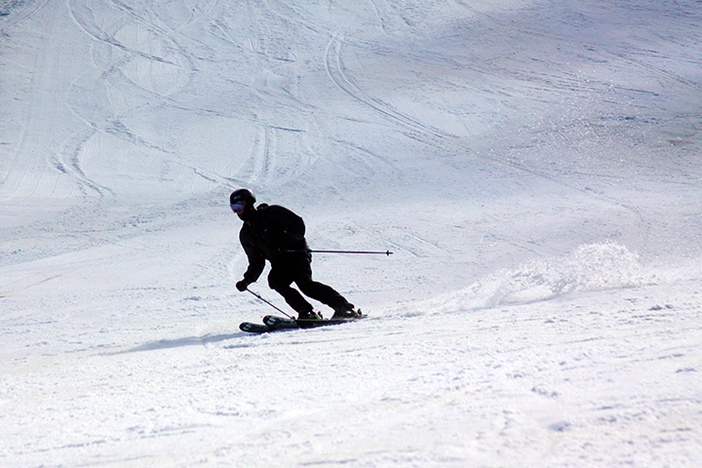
<point x="533" y="165"/>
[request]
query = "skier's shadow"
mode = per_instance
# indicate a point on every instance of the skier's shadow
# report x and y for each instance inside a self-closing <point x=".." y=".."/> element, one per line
<point x="179" y="342"/>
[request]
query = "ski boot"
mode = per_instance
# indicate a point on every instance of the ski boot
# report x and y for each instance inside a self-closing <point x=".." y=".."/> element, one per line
<point x="311" y="315"/>
<point x="347" y="311"/>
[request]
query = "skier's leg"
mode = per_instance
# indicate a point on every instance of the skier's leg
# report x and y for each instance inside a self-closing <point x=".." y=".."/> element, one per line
<point x="302" y="275"/>
<point x="322" y="293"/>
<point x="279" y="280"/>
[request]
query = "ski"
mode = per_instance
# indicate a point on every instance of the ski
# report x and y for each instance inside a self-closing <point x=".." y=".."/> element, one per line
<point x="272" y="323"/>
<point x="279" y="323"/>
<point x="253" y="327"/>
<point x="325" y="322"/>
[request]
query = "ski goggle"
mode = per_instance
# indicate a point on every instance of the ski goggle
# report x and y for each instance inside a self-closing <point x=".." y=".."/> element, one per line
<point x="238" y="205"/>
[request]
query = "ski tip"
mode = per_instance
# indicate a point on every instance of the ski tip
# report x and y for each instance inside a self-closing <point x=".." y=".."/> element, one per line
<point x="249" y="327"/>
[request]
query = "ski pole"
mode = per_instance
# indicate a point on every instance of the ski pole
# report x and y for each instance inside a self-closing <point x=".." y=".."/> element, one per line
<point x="387" y="252"/>
<point x="270" y="304"/>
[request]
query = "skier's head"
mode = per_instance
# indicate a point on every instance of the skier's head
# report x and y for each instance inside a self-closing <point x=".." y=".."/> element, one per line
<point x="242" y="202"/>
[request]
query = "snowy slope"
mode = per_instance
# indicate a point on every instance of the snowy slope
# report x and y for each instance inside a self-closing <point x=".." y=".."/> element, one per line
<point x="534" y="165"/>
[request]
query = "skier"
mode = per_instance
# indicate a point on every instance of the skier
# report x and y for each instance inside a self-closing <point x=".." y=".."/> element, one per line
<point x="276" y="234"/>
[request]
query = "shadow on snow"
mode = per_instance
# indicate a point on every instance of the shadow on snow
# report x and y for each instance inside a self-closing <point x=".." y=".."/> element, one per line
<point x="179" y="342"/>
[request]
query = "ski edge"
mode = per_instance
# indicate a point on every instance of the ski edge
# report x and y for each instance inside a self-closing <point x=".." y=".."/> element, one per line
<point x="326" y="322"/>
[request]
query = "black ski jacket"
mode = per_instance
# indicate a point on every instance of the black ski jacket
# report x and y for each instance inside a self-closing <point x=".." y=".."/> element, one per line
<point x="271" y="233"/>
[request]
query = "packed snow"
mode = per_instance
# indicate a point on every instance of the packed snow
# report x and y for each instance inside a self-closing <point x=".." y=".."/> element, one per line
<point x="534" y="166"/>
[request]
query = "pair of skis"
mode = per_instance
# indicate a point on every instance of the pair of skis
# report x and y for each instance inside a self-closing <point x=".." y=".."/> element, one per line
<point x="273" y="323"/>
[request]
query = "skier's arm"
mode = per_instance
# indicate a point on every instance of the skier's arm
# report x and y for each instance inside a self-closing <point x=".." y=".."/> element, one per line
<point x="254" y="270"/>
<point x="256" y="261"/>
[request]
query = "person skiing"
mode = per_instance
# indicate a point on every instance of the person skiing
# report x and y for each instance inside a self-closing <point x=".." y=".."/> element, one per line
<point x="276" y="234"/>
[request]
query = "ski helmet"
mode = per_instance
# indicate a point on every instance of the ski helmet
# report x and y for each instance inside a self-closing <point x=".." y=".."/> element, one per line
<point x="242" y="199"/>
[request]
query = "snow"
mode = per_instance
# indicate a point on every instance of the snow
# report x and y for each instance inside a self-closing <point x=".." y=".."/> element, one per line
<point x="534" y="165"/>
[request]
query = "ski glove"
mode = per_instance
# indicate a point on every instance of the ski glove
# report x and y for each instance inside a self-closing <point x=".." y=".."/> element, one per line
<point x="242" y="285"/>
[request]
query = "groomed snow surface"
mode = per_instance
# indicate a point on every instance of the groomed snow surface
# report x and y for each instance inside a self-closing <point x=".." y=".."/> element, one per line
<point x="534" y="165"/>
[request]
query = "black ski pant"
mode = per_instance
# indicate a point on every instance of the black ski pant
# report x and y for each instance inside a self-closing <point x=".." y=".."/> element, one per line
<point x="297" y="268"/>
